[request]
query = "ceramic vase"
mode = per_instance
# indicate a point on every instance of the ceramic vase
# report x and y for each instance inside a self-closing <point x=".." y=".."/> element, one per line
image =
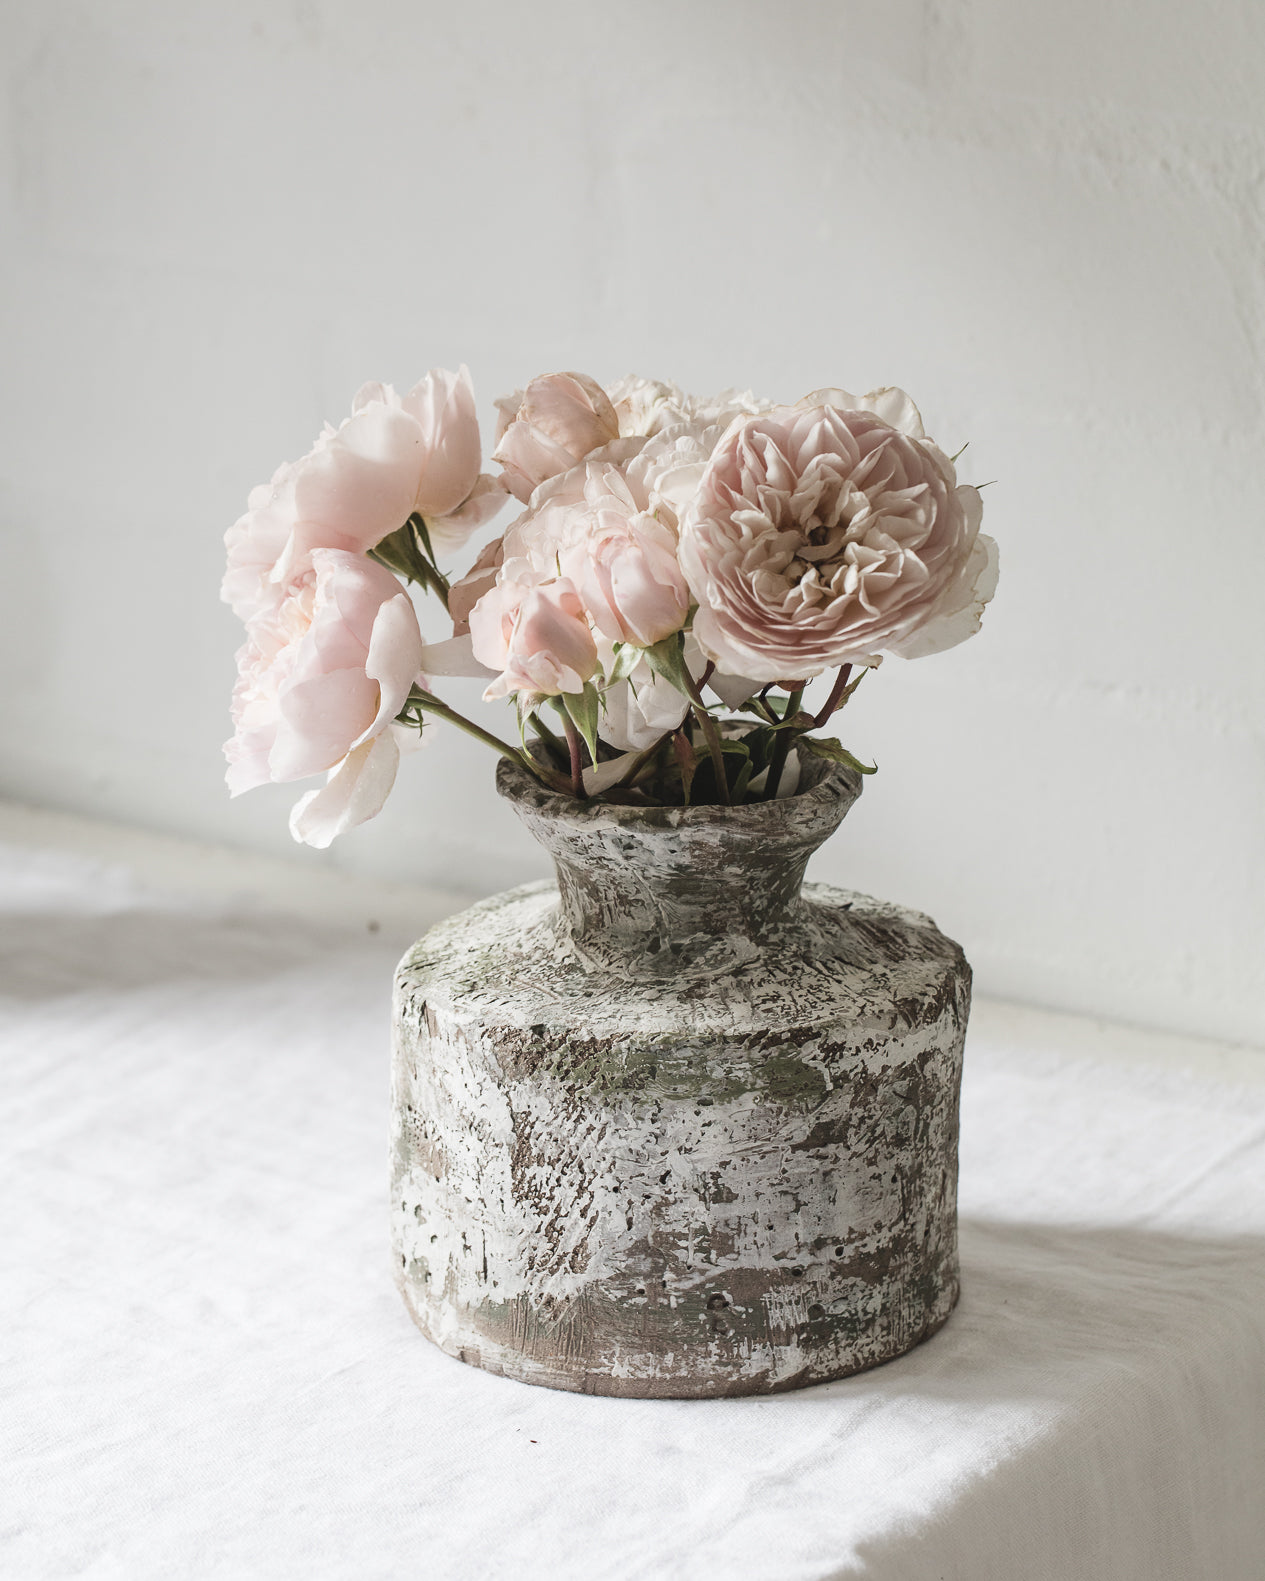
<point x="679" y="1124"/>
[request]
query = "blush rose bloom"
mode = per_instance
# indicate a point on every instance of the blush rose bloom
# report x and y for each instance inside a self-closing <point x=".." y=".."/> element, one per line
<point x="824" y="533"/>
<point x="551" y="426"/>
<point x="320" y="681"/>
<point x="591" y="528"/>
<point x="395" y="455"/>
<point x="536" y="635"/>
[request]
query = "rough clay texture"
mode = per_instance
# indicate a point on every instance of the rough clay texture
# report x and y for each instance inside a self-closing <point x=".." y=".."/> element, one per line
<point x="676" y="1128"/>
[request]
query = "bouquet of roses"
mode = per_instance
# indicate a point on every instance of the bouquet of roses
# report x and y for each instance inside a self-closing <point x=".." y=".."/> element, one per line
<point x="680" y="570"/>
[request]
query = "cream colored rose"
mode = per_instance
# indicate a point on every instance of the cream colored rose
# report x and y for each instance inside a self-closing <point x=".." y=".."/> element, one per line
<point x="827" y="533"/>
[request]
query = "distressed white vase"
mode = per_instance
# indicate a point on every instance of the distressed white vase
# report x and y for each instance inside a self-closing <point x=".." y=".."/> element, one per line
<point x="682" y="1125"/>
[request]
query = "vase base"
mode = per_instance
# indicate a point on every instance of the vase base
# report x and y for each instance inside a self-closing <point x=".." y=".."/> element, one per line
<point x="775" y="1371"/>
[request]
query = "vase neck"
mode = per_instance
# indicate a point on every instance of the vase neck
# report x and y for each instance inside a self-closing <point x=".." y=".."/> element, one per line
<point x="669" y="892"/>
<point x="649" y="892"/>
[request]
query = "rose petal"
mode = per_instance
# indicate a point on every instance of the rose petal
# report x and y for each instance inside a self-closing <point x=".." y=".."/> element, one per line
<point x="355" y="792"/>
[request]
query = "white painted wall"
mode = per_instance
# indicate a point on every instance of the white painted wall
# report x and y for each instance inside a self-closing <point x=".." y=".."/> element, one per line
<point x="1045" y="221"/>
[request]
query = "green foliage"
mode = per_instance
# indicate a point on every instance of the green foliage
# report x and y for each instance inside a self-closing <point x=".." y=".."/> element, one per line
<point x="582" y="708"/>
<point x="835" y="753"/>
<point x="667" y="658"/>
<point x="627" y="658"/>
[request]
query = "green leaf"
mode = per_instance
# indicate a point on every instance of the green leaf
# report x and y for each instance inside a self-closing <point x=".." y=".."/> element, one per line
<point x="391" y="554"/>
<point x="627" y="658"/>
<point x="583" y="710"/>
<point x="418" y="522"/>
<point x="835" y="753"/>
<point x="667" y="658"/>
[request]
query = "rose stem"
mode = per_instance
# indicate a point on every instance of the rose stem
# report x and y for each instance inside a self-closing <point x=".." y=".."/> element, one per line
<point x="573" y="744"/>
<point x="546" y="735"/>
<point x="430" y="704"/>
<point x="710" y="733"/>
<point x="836" y="692"/>
<point x="782" y="746"/>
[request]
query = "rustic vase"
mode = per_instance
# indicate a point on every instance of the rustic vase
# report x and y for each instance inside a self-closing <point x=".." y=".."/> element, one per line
<point x="680" y="1125"/>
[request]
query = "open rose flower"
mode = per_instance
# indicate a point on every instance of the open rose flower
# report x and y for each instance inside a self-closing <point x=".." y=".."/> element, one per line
<point x="551" y="426"/>
<point x="395" y="455"/>
<point x="622" y="562"/>
<point x="823" y="534"/>
<point x="320" y="681"/>
<point x="536" y="635"/>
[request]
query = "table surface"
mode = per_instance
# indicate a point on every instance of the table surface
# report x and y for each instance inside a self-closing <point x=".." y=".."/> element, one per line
<point x="207" y="1371"/>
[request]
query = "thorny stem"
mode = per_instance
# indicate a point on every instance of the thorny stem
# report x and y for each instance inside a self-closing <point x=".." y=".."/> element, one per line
<point x="836" y="692"/>
<point x="781" y="747"/>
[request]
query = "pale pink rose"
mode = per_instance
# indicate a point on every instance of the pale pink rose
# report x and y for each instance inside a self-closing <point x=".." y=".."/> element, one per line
<point x="256" y="542"/>
<point x="820" y="536"/>
<point x="590" y="527"/>
<point x="537" y="636"/>
<point x="550" y="426"/>
<point x="395" y="455"/>
<point x="623" y="565"/>
<point x="323" y="675"/>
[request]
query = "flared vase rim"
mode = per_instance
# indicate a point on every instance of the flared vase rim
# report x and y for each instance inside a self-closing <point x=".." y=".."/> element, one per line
<point x="835" y="783"/>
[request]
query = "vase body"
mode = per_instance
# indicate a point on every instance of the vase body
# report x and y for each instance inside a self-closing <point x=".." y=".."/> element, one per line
<point x="681" y="1125"/>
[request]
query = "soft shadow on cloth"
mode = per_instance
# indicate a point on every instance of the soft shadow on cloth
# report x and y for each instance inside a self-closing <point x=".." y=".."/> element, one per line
<point x="1132" y="1363"/>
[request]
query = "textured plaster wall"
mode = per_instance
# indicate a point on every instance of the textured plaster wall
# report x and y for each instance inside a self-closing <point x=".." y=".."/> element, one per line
<point x="1045" y="221"/>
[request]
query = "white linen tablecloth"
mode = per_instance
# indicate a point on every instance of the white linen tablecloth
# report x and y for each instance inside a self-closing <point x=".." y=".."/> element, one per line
<point x="207" y="1371"/>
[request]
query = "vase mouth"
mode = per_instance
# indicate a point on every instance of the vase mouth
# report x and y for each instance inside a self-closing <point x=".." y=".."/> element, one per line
<point x="825" y="788"/>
